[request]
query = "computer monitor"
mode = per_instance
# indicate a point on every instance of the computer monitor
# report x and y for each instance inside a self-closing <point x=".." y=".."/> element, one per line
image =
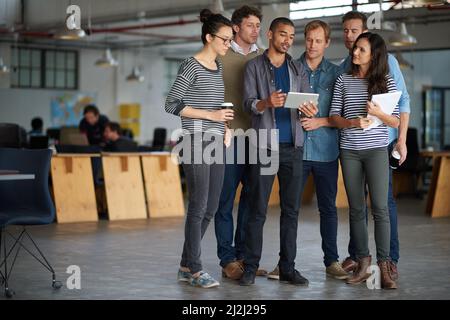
<point x="38" y="142"/>
<point x="73" y="136"/>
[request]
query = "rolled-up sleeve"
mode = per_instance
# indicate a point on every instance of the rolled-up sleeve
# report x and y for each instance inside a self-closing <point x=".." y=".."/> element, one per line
<point x="392" y="87"/>
<point x="337" y="103"/>
<point x="174" y="101"/>
<point x="396" y="73"/>
<point x="250" y="89"/>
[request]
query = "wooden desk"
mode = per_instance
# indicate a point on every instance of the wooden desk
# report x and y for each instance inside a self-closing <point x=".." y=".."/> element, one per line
<point x="73" y="187"/>
<point x="341" y="198"/>
<point x="124" y="186"/>
<point x="308" y="192"/>
<point x="274" y="199"/>
<point x="162" y="185"/>
<point x="438" y="200"/>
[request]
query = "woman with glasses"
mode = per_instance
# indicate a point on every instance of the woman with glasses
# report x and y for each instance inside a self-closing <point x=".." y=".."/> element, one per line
<point x="196" y="96"/>
<point x="364" y="155"/>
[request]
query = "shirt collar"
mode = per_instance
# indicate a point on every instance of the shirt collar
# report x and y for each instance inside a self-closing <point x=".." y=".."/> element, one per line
<point x="237" y="48"/>
<point x="322" y="65"/>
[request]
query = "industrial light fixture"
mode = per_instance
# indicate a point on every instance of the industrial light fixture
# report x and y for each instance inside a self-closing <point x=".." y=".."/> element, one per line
<point x="135" y="76"/>
<point x="71" y="31"/>
<point x="402" y="38"/>
<point x="217" y="6"/>
<point x="424" y="2"/>
<point x="74" y="34"/>
<point x="3" y="67"/>
<point x="106" y="60"/>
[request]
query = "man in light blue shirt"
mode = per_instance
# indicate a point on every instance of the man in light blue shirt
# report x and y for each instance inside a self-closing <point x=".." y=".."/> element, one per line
<point x="321" y="146"/>
<point x="354" y="23"/>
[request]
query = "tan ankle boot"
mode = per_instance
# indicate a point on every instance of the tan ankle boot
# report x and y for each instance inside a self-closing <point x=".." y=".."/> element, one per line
<point x="386" y="279"/>
<point x="361" y="275"/>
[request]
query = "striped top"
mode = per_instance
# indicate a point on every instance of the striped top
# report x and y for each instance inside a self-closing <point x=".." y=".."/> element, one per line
<point x="200" y="88"/>
<point x="350" y="98"/>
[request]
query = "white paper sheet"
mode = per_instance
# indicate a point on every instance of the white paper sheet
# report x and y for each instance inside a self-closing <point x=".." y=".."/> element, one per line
<point x="387" y="103"/>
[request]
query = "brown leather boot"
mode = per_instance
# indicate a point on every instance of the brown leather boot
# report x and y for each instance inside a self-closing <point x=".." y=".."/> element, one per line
<point x="386" y="279"/>
<point x="233" y="270"/>
<point x="394" y="270"/>
<point x="360" y="274"/>
<point x="349" y="265"/>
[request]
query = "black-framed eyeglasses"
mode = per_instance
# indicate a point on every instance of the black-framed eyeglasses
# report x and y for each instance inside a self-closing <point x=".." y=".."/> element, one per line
<point x="225" y="40"/>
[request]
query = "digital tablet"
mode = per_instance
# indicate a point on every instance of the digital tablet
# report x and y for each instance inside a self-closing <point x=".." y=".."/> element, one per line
<point x="296" y="99"/>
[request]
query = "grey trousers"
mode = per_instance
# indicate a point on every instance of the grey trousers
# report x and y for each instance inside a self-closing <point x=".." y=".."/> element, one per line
<point x="204" y="184"/>
<point x="369" y="166"/>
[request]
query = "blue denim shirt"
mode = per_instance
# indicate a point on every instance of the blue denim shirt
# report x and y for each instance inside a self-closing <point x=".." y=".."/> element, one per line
<point x="322" y="144"/>
<point x="396" y="74"/>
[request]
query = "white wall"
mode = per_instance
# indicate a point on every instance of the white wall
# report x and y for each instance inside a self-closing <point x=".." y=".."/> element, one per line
<point x="150" y="93"/>
<point x="21" y="105"/>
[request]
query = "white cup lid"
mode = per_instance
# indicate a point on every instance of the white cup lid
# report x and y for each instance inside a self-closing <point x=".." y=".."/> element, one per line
<point x="227" y="104"/>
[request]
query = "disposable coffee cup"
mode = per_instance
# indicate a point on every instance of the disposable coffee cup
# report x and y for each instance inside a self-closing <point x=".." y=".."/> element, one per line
<point x="394" y="159"/>
<point x="227" y="105"/>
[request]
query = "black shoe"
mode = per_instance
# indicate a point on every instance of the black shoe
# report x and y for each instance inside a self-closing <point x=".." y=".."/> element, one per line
<point x="294" y="278"/>
<point x="248" y="278"/>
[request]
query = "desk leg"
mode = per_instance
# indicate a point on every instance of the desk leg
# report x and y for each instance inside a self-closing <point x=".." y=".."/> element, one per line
<point x="341" y="198"/>
<point x="438" y="203"/>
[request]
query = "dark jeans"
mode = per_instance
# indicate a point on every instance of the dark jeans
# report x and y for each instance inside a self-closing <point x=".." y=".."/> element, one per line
<point x="394" y="251"/>
<point x="325" y="178"/>
<point x="204" y="183"/>
<point x="235" y="173"/>
<point x="290" y="180"/>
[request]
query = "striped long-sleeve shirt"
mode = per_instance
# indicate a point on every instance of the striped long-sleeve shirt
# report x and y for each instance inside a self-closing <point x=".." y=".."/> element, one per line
<point x="350" y="98"/>
<point x="200" y="88"/>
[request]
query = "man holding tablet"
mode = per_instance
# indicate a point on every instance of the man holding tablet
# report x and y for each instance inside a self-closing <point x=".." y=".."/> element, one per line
<point x="268" y="78"/>
<point x="321" y="146"/>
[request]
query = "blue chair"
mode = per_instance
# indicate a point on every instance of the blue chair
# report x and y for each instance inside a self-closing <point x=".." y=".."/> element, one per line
<point x="10" y="135"/>
<point x="24" y="203"/>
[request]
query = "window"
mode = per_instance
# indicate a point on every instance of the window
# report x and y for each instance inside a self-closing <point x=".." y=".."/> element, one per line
<point x="60" y="69"/>
<point x="27" y="66"/>
<point x="44" y="68"/>
<point x="436" y="118"/>
<point x="172" y="66"/>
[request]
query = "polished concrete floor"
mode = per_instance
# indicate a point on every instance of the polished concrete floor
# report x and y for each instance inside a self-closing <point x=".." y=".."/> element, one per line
<point x="139" y="260"/>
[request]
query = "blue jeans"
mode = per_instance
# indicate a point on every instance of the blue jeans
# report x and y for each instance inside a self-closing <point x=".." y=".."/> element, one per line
<point x="234" y="174"/>
<point x="394" y="250"/>
<point x="325" y="178"/>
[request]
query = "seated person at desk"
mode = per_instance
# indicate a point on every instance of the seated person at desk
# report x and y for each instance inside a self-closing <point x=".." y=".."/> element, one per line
<point x="37" y="127"/>
<point x="116" y="142"/>
<point x="93" y="125"/>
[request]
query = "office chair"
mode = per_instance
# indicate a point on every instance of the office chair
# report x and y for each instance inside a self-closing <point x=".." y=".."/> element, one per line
<point x="127" y="133"/>
<point x="414" y="163"/>
<point x="10" y="135"/>
<point x="38" y="142"/>
<point x="24" y="203"/>
<point x="159" y="139"/>
<point x="54" y="134"/>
